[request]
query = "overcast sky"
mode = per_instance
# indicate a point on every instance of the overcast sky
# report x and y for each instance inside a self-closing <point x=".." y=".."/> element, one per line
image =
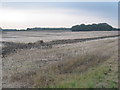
<point x="22" y="15"/>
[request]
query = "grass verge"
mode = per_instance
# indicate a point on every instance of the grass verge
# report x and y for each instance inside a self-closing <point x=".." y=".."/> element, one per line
<point x="88" y="71"/>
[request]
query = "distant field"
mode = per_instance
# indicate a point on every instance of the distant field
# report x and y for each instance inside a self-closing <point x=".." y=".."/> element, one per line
<point x="32" y="36"/>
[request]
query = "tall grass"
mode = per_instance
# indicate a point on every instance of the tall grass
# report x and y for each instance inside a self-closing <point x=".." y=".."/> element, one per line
<point x="79" y="72"/>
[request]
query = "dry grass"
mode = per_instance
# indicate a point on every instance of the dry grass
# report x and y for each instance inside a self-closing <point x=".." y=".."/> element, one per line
<point x="54" y="74"/>
<point x="74" y="67"/>
<point x="93" y="69"/>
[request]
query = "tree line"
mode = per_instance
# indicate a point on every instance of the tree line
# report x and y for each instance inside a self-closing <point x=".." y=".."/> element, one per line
<point x="93" y="27"/>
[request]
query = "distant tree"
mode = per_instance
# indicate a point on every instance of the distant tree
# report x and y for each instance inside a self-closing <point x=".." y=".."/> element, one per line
<point x="93" y="27"/>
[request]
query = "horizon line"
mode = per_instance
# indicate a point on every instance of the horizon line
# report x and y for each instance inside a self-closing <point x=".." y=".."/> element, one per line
<point x="56" y="27"/>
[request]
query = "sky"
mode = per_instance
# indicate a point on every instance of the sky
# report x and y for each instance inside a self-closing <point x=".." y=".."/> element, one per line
<point x="22" y="15"/>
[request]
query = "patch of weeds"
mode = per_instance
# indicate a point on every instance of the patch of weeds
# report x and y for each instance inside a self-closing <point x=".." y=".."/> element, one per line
<point x="112" y="84"/>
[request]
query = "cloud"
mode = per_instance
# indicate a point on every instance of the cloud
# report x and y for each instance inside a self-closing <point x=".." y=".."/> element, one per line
<point x="51" y="17"/>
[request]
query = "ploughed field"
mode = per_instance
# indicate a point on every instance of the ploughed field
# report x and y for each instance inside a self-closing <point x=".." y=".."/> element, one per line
<point x="60" y="59"/>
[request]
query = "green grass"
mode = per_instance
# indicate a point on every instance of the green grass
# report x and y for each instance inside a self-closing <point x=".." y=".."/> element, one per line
<point x="85" y="80"/>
